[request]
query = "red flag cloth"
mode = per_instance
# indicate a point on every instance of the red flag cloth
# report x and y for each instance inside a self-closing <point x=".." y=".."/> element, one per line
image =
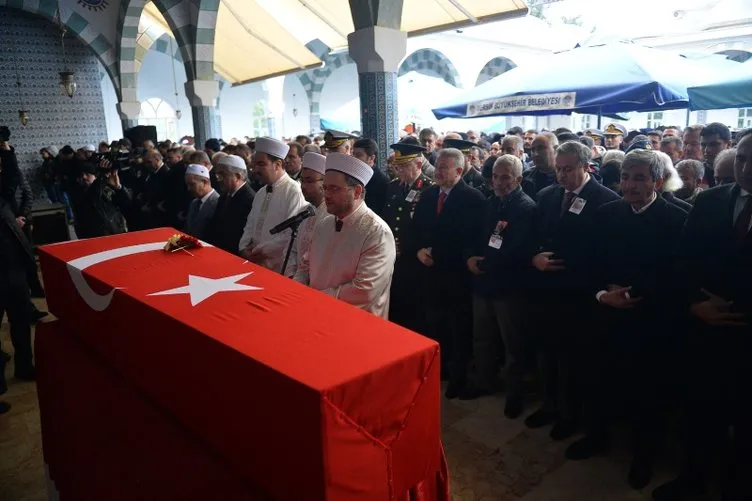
<point x="103" y="440"/>
<point x="304" y="396"/>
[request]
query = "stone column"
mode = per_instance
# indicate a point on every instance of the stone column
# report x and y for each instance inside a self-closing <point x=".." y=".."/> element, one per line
<point x="378" y="52"/>
<point x="129" y="112"/>
<point x="202" y="94"/>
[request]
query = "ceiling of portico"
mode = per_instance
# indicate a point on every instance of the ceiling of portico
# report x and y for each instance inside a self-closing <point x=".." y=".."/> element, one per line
<point x="259" y="39"/>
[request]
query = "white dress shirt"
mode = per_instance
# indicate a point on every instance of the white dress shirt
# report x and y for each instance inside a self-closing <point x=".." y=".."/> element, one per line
<point x="356" y="263"/>
<point x="305" y="238"/>
<point x="269" y="209"/>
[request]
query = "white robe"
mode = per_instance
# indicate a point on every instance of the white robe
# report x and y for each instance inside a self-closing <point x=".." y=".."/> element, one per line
<point x="356" y="263"/>
<point x="305" y="238"/>
<point x="270" y="209"/>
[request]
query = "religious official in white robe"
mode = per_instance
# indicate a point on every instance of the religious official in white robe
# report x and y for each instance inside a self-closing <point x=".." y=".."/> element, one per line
<point x="280" y="199"/>
<point x="352" y="252"/>
<point x="312" y="184"/>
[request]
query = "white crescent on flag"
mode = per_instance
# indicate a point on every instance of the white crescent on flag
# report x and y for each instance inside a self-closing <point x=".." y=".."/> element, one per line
<point x="100" y="302"/>
<point x="199" y="288"/>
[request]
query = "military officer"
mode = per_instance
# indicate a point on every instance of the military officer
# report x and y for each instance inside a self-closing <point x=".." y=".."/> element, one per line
<point x="336" y="141"/>
<point x="597" y="136"/>
<point x="402" y="196"/>
<point x="614" y="136"/>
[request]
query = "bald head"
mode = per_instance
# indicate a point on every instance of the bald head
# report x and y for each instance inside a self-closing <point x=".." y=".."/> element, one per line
<point x="153" y="160"/>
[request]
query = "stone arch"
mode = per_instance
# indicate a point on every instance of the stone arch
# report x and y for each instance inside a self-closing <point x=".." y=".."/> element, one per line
<point x="494" y="68"/>
<point x="193" y="30"/>
<point x="736" y="55"/>
<point x="431" y="62"/>
<point x="80" y="27"/>
<point x="313" y="80"/>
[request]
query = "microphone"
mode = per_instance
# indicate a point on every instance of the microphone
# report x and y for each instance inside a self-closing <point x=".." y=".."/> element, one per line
<point x="294" y="221"/>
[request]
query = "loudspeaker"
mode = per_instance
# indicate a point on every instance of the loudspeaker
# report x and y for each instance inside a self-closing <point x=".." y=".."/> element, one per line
<point x="49" y="224"/>
<point x="141" y="133"/>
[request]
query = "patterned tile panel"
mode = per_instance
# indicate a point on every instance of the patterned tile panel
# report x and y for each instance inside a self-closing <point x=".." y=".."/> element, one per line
<point x="54" y="119"/>
<point x="378" y="111"/>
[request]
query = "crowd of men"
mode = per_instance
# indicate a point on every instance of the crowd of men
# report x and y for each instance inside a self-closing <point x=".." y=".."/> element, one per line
<point x="619" y="265"/>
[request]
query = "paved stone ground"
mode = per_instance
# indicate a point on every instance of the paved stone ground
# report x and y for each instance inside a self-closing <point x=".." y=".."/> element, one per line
<point x="490" y="457"/>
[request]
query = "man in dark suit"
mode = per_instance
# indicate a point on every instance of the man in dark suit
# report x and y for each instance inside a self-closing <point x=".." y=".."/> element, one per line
<point x="233" y="205"/>
<point x="157" y="191"/>
<point x="16" y="258"/>
<point x="626" y="363"/>
<point x="565" y="230"/>
<point x="499" y="261"/>
<point x="471" y="176"/>
<point x="446" y="220"/>
<point x="543" y="172"/>
<point x="365" y="150"/>
<point x="201" y="208"/>
<point x="717" y="270"/>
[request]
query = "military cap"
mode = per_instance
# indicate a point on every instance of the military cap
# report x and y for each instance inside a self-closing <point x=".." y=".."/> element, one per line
<point x="640" y="144"/>
<point x="593" y="133"/>
<point x="615" y="130"/>
<point x="462" y="145"/>
<point x="406" y="152"/>
<point x="333" y="139"/>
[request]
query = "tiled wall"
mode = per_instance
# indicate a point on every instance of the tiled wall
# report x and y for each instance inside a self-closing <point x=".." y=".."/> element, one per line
<point x="54" y="119"/>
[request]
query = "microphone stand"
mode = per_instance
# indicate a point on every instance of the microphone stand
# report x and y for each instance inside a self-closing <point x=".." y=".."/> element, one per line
<point x="293" y="236"/>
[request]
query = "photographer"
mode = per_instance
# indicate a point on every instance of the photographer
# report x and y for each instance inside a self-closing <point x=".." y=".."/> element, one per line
<point x="99" y="201"/>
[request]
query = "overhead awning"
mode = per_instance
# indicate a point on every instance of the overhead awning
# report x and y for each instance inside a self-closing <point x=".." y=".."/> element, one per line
<point x="259" y="39"/>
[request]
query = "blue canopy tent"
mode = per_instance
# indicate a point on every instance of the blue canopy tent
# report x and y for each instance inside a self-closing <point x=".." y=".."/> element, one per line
<point x="732" y="89"/>
<point x="600" y="80"/>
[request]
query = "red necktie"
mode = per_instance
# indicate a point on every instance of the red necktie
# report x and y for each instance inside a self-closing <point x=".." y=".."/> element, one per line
<point x="442" y="198"/>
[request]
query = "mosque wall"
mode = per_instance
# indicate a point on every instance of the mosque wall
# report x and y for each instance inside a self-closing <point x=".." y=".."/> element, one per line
<point x="34" y="45"/>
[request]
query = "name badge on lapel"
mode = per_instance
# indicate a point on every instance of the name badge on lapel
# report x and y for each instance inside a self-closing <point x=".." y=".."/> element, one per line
<point x="411" y="196"/>
<point x="577" y="205"/>
<point x="495" y="241"/>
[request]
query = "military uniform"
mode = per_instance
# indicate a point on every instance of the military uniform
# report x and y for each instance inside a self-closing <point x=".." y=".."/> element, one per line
<point x="400" y="205"/>
<point x="406" y="306"/>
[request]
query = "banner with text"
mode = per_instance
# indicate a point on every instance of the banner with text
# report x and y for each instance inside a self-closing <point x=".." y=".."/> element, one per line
<point x="520" y="104"/>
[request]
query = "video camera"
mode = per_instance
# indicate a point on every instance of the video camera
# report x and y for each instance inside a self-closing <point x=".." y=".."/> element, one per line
<point x="119" y="161"/>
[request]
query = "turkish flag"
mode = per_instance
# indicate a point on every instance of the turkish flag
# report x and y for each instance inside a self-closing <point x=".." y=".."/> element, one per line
<point x="108" y="442"/>
<point x="305" y="396"/>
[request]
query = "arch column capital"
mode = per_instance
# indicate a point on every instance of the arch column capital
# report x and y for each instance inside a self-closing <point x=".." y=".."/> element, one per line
<point x="377" y="49"/>
<point x="202" y="93"/>
<point x="129" y="110"/>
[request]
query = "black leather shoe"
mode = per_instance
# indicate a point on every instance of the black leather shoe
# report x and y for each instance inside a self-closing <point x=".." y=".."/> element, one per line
<point x="540" y="418"/>
<point x="453" y="391"/>
<point x="4" y="407"/>
<point x="640" y="473"/>
<point x="513" y="407"/>
<point x="586" y="447"/>
<point x="26" y="374"/>
<point x="563" y="429"/>
<point x="681" y="488"/>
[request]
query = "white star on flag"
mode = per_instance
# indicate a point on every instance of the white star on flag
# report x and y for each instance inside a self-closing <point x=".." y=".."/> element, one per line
<point x="202" y="288"/>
